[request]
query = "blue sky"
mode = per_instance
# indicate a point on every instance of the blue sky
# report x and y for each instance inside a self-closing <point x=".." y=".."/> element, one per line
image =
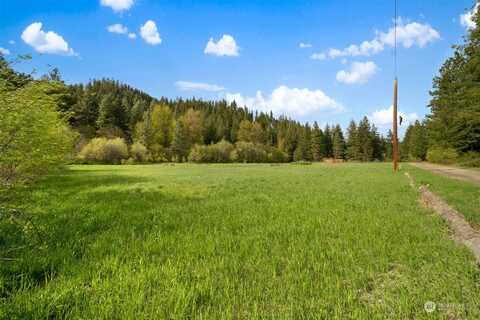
<point x="254" y="54"/>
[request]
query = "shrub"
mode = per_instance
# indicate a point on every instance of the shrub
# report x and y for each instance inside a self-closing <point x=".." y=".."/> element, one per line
<point x="220" y="152"/>
<point x="249" y="153"/>
<point x="442" y="155"/>
<point x="103" y="150"/>
<point x="158" y="153"/>
<point x="115" y="150"/>
<point x="138" y="152"/>
<point x="215" y="153"/>
<point x="34" y="138"/>
<point x="470" y="159"/>
<point x="91" y="152"/>
<point x="199" y="154"/>
<point x="276" y="156"/>
<point x="129" y="161"/>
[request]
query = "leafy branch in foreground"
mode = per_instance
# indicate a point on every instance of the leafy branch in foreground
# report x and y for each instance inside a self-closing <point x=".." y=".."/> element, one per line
<point x="33" y="135"/>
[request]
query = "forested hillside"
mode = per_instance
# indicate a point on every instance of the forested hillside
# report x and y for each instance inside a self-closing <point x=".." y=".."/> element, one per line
<point x="167" y="130"/>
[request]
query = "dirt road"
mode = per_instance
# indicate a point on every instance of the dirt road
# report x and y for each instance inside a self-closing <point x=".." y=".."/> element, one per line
<point x="452" y="172"/>
<point x="463" y="232"/>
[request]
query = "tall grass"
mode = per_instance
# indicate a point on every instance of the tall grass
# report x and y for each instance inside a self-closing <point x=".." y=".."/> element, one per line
<point x="236" y="241"/>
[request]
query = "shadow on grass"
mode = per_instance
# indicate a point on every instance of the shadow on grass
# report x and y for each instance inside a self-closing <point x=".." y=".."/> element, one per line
<point x="75" y="212"/>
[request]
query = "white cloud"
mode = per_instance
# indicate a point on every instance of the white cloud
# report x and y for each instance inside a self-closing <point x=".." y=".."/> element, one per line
<point x="318" y="56"/>
<point x="149" y="33"/>
<point x="288" y="101"/>
<point x="4" y="51"/>
<point x="117" y="5"/>
<point x="359" y="73"/>
<point x="121" y="29"/>
<point x="467" y="19"/>
<point x="408" y="35"/>
<point x="304" y="45"/>
<point x="12" y="42"/>
<point x="226" y="46"/>
<point x="117" y="28"/>
<point x="384" y="117"/>
<point x="45" y="42"/>
<point x="193" y="86"/>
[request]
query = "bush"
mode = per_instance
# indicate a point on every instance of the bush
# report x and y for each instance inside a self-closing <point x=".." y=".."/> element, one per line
<point x="276" y="156"/>
<point x="224" y="152"/>
<point x="442" y="155"/>
<point x="158" y="153"/>
<point x="248" y="152"/>
<point x="129" y="162"/>
<point x="34" y="137"/>
<point x="199" y="154"/>
<point x="91" y="151"/>
<point x="215" y="153"/>
<point x="221" y="151"/>
<point x="103" y="150"/>
<point x="470" y="159"/>
<point x="138" y="152"/>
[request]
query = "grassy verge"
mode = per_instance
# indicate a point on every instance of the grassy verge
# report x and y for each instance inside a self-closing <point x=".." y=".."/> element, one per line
<point x="234" y="241"/>
<point x="463" y="196"/>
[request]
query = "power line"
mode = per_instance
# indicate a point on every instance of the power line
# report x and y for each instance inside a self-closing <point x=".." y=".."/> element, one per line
<point x="395" y="44"/>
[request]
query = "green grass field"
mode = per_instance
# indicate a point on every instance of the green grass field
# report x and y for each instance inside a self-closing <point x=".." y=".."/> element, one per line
<point x="234" y="241"/>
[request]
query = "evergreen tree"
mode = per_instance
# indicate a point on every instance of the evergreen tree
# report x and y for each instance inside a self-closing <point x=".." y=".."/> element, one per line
<point x="377" y="145"/>
<point x="388" y="143"/>
<point x="405" y="145"/>
<point x="308" y="142"/>
<point x="137" y="112"/>
<point x="327" y="142"/>
<point x="365" y="140"/>
<point x="455" y="105"/>
<point x="353" y="145"/>
<point x="415" y="143"/>
<point x="302" y="151"/>
<point x="318" y="148"/>
<point x="338" y="143"/>
<point x="107" y="108"/>
<point x="419" y="142"/>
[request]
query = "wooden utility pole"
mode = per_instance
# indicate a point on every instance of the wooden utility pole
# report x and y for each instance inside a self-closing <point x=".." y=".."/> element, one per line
<point x="395" y="101"/>
<point x="395" y="126"/>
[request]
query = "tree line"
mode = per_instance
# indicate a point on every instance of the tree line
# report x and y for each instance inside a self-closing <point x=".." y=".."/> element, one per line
<point x="170" y="129"/>
<point x="451" y="132"/>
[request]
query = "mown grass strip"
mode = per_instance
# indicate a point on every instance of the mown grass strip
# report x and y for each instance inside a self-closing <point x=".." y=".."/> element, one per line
<point x="463" y="196"/>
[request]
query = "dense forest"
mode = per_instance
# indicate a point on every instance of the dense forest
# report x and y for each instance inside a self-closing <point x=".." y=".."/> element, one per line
<point x="169" y="130"/>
